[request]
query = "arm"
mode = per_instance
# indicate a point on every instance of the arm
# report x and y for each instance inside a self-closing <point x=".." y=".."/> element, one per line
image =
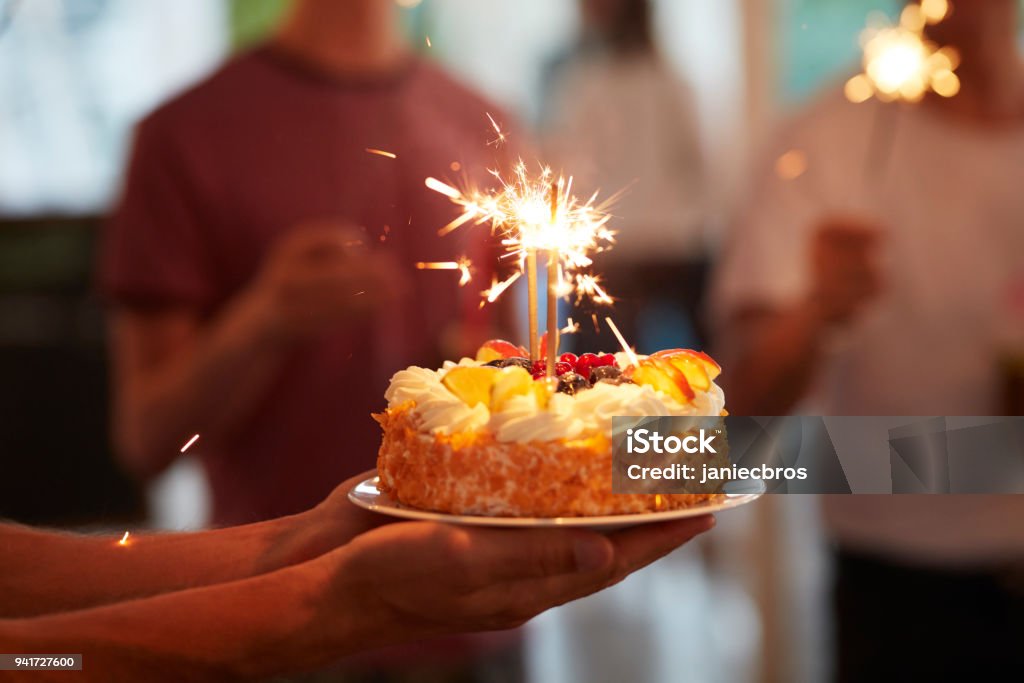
<point x="170" y="372"/>
<point x="45" y="572"/>
<point x="396" y="584"/>
<point x="775" y="353"/>
<point x="176" y="375"/>
<point x="229" y="631"/>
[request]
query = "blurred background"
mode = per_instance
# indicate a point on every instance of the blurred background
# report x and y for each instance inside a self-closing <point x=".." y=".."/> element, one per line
<point x="77" y="75"/>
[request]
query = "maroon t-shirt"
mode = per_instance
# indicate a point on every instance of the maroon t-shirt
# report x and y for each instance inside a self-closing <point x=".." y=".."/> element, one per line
<point x="262" y="146"/>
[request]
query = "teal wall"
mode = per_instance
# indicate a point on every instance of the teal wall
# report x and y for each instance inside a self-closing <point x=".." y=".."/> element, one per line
<point x="819" y="41"/>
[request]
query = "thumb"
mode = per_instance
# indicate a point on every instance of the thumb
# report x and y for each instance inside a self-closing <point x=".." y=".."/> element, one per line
<point x="538" y="553"/>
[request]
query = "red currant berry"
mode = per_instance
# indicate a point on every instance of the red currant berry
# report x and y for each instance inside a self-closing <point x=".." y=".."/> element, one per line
<point x="569" y="358"/>
<point x="586" y="362"/>
<point x="562" y="368"/>
<point x="608" y="359"/>
<point x="539" y="366"/>
<point x="539" y="375"/>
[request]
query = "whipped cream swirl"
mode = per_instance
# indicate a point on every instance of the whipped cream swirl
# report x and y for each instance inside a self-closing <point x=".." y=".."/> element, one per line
<point x="522" y="420"/>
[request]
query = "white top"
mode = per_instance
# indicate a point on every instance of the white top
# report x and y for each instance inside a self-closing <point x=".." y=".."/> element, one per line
<point x="952" y="202"/>
<point x="522" y="420"/>
<point x="627" y="123"/>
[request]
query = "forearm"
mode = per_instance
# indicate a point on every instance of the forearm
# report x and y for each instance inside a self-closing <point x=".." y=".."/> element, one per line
<point x="44" y="572"/>
<point x="202" y="388"/>
<point x="246" y="629"/>
<point x="774" y="360"/>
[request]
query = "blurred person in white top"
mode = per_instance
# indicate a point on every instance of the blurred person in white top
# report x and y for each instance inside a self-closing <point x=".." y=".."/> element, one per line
<point x="617" y="117"/>
<point x="842" y="294"/>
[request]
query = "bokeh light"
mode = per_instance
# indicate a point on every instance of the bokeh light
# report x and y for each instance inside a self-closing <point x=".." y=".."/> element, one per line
<point x="901" y="64"/>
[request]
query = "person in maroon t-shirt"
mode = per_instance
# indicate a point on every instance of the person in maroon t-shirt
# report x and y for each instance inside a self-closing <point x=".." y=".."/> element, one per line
<point x="261" y="262"/>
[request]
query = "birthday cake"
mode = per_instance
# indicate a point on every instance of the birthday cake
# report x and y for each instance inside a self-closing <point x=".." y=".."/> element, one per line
<point x="497" y="435"/>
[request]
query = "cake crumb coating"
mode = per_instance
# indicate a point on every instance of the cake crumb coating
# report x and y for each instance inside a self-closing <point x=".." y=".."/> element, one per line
<point x="470" y="473"/>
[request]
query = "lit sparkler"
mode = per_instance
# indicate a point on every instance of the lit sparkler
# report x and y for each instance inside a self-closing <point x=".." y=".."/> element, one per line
<point x="538" y="213"/>
<point x="901" y="64"/>
<point x="521" y="214"/>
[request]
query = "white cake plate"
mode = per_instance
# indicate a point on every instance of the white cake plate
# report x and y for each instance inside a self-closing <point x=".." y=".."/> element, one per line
<point x="368" y="495"/>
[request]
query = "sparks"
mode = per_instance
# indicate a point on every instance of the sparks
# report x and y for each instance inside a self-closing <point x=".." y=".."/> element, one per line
<point x="570" y="327"/>
<point x="428" y="42"/>
<point x="633" y="360"/>
<point x="465" y="268"/>
<point x="445" y="189"/>
<point x="190" y="442"/>
<point x="124" y="539"/>
<point x="900" y="63"/>
<point x="463" y="265"/>
<point x="588" y="285"/>
<point x="382" y="153"/>
<point x="502" y="138"/>
<point x="524" y="217"/>
<point x="498" y="288"/>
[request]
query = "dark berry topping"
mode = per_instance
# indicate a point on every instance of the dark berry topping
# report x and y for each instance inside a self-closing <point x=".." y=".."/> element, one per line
<point x="572" y="383"/>
<point x="606" y="373"/>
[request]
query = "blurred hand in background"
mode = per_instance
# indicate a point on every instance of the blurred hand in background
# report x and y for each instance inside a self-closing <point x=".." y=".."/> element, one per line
<point x="845" y="268"/>
<point x="320" y="276"/>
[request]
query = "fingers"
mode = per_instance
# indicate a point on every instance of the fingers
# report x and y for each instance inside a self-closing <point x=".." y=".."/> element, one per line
<point x="355" y="519"/>
<point x="851" y="233"/>
<point x="320" y="240"/>
<point x="321" y="275"/>
<point x="479" y="557"/>
<point x="631" y="550"/>
<point x="316" y="282"/>
<point x="576" y="557"/>
<point x="443" y="577"/>
<point x="524" y="554"/>
<point x="846" y="256"/>
<point x="640" y="546"/>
